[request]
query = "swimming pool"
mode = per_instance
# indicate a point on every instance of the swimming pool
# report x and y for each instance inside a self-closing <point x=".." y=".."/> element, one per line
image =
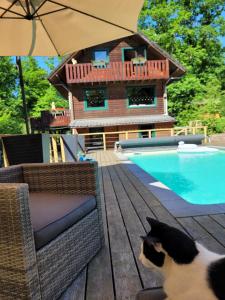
<point x="197" y="178"/>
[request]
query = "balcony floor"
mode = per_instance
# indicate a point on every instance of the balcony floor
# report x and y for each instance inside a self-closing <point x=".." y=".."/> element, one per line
<point x="116" y="273"/>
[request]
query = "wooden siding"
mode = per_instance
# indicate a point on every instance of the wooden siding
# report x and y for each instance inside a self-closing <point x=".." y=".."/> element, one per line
<point x="117" y="102"/>
<point x="117" y="71"/>
<point x="115" y="50"/>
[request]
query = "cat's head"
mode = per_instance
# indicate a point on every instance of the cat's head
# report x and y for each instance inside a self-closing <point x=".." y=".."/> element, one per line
<point x="164" y="240"/>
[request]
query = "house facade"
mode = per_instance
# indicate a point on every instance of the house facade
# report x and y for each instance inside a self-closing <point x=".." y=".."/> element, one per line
<point x="117" y="86"/>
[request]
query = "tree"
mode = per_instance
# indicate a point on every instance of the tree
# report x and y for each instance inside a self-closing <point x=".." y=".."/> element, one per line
<point x="39" y="92"/>
<point x="190" y="30"/>
<point x="10" y="105"/>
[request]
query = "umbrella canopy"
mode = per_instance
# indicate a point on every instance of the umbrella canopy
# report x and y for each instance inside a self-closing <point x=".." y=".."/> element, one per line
<point x="59" y="27"/>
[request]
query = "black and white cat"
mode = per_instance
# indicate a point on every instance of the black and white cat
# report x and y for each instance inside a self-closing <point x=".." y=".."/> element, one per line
<point x="190" y="271"/>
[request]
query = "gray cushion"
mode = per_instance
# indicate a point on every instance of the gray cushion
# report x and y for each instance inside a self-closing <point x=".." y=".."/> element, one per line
<point x="151" y="294"/>
<point x="51" y="214"/>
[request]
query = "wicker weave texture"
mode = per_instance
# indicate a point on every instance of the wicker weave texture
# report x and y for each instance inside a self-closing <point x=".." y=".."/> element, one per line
<point x="62" y="260"/>
<point x="25" y="273"/>
<point x="68" y="178"/>
<point x="11" y="174"/>
<point x="18" y="267"/>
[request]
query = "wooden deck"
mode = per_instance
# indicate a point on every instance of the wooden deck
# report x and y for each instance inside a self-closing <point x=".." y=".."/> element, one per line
<point x="116" y="273"/>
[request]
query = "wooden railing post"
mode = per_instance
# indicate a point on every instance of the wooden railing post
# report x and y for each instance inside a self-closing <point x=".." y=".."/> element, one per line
<point x="205" y="133"/>
<point x="63" y="156"/>
<point x="193" y="130"/>
<point x="5" y="158"/>
<point x="55" y="151"/>
<point x="172" y="131"/>
<point x="104" y="141"/>
<point x="126" y="135"/>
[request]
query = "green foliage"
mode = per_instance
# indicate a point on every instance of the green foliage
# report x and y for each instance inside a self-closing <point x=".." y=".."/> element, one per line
<point x="10" y="106"/>
<point x="45" y="101"/>
<point x="190" y="31"/>
<point x="9" y="124"/>
<point x="39" y="92"/>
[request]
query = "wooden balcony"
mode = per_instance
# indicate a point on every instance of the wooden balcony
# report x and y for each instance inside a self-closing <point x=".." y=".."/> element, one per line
<point x="117" y="71"/>
<point x="48" y="121"/>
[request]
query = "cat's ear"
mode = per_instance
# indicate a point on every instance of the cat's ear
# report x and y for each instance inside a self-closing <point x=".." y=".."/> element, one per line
<point x="152" y="222"/>
<point x="155" y="242"/>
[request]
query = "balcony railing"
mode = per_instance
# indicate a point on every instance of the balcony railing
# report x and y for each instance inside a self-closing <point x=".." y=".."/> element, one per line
<point x="117" y="71"/>
<point x="47" y="121"/>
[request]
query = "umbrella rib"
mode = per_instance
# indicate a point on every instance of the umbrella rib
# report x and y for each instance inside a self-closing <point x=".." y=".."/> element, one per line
<point x="12" y="18"/>
<point x="22" y="6"/>
<point x="91" y="16"/>
<point x="51" y="12"/>
<point x="36" y="10"/>
<point x="8" y="9"/>
<point x="49" y="37"/>
<point x="28" y="7"/>
<point x="11" y="11"/>
<point x="37" y="16"/>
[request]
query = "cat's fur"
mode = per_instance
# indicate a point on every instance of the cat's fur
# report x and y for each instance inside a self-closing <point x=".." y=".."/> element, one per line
<point x="190" y="271"/>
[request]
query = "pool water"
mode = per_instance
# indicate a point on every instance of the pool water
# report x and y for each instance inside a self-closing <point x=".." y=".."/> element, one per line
<point x="197" y="178"/>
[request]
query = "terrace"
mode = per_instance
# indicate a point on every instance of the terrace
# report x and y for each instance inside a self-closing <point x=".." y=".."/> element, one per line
<point x="117" y="71"/>
<point x="116" y="273"/>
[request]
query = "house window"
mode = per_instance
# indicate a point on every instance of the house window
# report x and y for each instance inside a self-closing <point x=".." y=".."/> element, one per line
<point x="141" y="96"/>
<point x="100" y="58"/>
<point x="130" y="54"/>
<point x="95" y="99"/>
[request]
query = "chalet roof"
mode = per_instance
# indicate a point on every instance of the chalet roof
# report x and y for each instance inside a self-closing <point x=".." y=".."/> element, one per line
<point x="114" y="121"/>
<point x="162" y="51"/>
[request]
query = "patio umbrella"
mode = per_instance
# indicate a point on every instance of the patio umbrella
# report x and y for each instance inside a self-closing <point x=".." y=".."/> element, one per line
<point x="60" y="27"/>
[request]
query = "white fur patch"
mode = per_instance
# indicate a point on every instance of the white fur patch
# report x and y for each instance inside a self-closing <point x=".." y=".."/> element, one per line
<point x="186" y="281"/>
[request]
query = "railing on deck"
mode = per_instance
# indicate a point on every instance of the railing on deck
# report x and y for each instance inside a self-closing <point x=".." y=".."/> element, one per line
<point x="63" y="148"/>
<point x="106" y="140"/>
<point x="117" y="71"/>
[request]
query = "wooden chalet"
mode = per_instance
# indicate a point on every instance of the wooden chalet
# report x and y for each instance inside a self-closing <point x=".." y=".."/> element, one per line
<point x="117" y="86"/>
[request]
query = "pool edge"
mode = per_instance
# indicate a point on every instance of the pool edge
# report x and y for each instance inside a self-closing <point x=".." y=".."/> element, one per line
<point x="175" y="204"/>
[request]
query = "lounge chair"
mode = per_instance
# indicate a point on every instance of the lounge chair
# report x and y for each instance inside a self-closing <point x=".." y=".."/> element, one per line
<point x="50" y="227"/>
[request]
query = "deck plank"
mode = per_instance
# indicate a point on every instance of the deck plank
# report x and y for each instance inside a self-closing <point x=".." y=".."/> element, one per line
<point x="219" y="219"/>
<point x="100" y="277"/>
<point x="134" y="228"/>
<point x="139" y="204"/>
<point x="201" y="235"/>
<point x="76" y="291"/>
<point x="212" y="227"/>
<point x="126" y="277"/>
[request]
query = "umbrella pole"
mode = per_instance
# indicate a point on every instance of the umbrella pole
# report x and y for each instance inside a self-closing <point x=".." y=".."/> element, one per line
<point x="25" y="114"/>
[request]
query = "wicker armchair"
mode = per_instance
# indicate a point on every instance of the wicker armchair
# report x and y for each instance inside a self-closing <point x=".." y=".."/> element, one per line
<point x="30" y="273"/>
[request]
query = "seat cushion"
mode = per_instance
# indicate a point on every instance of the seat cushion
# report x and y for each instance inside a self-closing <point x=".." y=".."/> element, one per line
<point x="52" y="213"/>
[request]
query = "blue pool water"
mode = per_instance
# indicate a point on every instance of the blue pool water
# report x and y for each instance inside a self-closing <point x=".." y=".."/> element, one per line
<point x="197" y="178"/>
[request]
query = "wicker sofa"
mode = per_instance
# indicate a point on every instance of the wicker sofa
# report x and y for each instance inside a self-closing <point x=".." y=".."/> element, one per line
<point x="39" y="258"/>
